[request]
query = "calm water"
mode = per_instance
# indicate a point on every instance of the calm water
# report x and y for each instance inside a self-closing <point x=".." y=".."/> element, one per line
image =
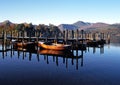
<point x="98" y="66"/>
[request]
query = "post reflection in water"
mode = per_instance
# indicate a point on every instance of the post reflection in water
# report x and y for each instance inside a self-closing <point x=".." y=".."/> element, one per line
<point x="65" y="55"/>
<point x="73" y="55"/>
<point x="95" y="65"/>
<point x="101" y="47"/>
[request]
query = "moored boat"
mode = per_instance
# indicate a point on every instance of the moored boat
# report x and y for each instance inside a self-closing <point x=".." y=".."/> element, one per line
<point x="23" y="45"/>
<point x="53" y="46"/>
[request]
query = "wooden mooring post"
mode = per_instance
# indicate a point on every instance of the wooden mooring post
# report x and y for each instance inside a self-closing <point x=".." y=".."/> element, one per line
<point x="77" y="36"/>
<point x="108" y="38"/>
<point x="82" y="31"/>
<point x="72" y="34"/>
<point x="65" y="35"/>
<point x="4" y="39"/>
<point x="18" y="35"/>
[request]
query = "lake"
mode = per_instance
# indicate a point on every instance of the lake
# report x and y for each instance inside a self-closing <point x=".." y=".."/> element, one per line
<point x="94" y="66"/>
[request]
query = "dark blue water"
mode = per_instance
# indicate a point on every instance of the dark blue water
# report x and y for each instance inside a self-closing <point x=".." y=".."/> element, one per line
<point x="98" y="66"/>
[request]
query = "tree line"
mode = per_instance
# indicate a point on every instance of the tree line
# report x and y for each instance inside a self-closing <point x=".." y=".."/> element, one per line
<point x="40" y="30"/>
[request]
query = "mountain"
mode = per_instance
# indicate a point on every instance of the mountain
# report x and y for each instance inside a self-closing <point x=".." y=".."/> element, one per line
<point x="114" y="26"/>
<point x="73" y="26"/>
<point x="67" y="26"/>
<point x="6" y="22"/>
<point x="94" y="26"/>
<point x="113" y="29"/>
<point x="81" y="23"/>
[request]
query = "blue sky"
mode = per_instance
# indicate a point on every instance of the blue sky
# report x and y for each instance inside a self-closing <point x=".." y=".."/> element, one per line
<point x="60" y="11"/>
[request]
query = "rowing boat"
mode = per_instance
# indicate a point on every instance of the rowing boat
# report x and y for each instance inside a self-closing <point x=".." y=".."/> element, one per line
<point x="53" y="46"/>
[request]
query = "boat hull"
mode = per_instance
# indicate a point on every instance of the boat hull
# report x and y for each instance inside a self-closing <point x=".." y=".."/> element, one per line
<point x="53" y="46"/>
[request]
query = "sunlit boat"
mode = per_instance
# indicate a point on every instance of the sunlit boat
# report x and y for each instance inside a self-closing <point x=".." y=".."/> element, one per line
<point x="53" y="46"/>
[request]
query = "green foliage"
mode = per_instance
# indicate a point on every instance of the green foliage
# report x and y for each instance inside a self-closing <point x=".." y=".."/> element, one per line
<point x="31" y="30"/>
<point x="48" y="31"/>
<point x="20" y="27"/>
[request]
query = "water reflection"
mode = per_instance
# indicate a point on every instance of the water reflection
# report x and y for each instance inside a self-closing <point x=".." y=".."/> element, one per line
<point x="75" y="56"/>
<point x="101" y="47"/>
<point x="93" y="66"/>
<point x="55" y="55"/>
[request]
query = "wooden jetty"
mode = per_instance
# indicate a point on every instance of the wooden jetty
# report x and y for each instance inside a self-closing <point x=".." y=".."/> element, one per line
<point x="76" y="38"/>
<point x="79" y="40"/>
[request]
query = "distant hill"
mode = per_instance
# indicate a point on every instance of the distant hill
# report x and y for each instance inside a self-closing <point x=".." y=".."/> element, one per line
<point x="81" y="24"/>
<point x="113" y="29"/>
<point x="7" y="24"/>
<point x="67" y="26"/>
<point x="94" y="26"/>
<point x="74" y="26"/>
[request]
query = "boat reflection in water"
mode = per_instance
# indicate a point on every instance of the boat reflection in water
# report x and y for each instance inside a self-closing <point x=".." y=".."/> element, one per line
<point x="66" y="55"/>
<point x="75" y="57"/>
<point x="93" y="66"/>
<point x="55" y="55"/>
<point x="56" y="52"/>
